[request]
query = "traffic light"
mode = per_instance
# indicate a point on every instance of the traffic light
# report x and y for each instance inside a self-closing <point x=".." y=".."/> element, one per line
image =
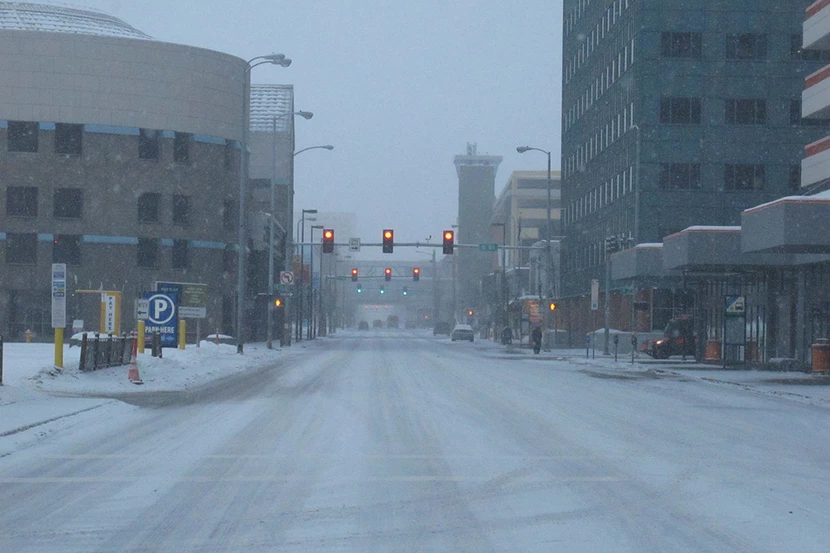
<point x="416" y="274"/>
<point x="552" y="306"/>
<point x="354" y="274"/>
<point x="470" y="312"/>
<point x="449" y="237"/>
<point x="388" y="240"/>
<point x="359" y="289"/>
<point x="612" y="244"/>
<point x="387" y="274"/>
<point x="328" y="240"/>
<point x="405" y="291"/>
<point x="382" y="290"/>
<point x="278" y="303"/>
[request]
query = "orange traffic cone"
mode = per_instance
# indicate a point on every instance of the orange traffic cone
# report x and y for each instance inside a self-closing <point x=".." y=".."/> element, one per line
<point x="133" y="375"/>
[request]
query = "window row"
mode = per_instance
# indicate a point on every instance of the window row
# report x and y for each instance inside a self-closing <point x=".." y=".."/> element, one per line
<point x="21" y="249"/>
<point x="591" y="255"/>
<point x="614" y="69"/>
<point x="68" y="203"/>
<point x="608" y="192"/>
<point x="686" y="176"/>
<point x="738" y="46"/>
<point x="606" y="135"/>
<point x="592" y="39"/>
<point x="23" y="136"/>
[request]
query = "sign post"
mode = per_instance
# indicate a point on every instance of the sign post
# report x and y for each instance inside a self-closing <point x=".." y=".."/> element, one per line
<point x="59" y="309"/>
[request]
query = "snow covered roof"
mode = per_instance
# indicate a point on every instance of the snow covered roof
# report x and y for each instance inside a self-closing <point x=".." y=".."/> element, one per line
<point x="821" y="197"/>
<point x="269" y="101"/>
<point x="52" y="18"/>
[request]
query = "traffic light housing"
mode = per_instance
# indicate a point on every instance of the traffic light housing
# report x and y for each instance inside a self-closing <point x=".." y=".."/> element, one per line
<point x="470" y="313"/>
<point x="405" y="291"/>
<point x="387" y="274"/>
<point x="449" y="238"/>
<point x="552" y="306"/>
<point x="382" y="289"/>
<point x="328" y="240"/>
<point x="416" y="274"/>
<point x="359" y="289"/>
<point x="612" y="244"/>
<point x="388" y="240"/>
<point x="278" y="303"/>
<point x="354" y="274"/>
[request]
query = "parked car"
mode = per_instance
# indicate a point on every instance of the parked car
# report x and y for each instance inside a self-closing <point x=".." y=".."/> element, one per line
<point x="363" y="325"/>
<point x="441" y="328"/>
<point x="462" y="332"/>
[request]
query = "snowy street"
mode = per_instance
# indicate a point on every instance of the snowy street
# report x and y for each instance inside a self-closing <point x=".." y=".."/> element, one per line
<point x="400" y="441"/>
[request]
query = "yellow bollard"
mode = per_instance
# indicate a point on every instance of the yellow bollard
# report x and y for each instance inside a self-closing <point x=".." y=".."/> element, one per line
<point x="28" y="336"/>
<point x="59" y="347"/>
<point x="140" y="336"/>
<point x="182" y="331"/>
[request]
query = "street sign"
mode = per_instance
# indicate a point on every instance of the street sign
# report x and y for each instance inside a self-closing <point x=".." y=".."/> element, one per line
<point x="142" y="309"/>
<point x="594" y="295"/>
<point x="286" y="277"/>
<point x="191" y="297"/>
<point x="162" y="318"/>
<point x="735" y="305"/>
<point x="488" y="247"/>
<point x="58" y="295"/>
<point x="354" y="244"/>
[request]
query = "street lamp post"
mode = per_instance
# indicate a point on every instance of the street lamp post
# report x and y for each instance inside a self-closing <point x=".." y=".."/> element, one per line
<point x="548" y="257"/>
<point x="311" y="332"/>
<point x="273" y="59"/>
<point x="271" y="231"/>
<point x="299" y="281"/>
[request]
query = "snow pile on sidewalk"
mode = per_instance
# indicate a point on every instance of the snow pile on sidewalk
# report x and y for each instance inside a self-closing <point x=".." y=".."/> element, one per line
<point x="29" y="369"/>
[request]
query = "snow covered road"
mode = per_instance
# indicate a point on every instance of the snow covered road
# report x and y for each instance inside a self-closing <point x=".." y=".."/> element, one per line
<point x="397" y="441"/>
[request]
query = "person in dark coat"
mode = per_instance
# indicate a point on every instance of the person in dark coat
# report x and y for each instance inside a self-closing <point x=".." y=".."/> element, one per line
<point x="506" y="336"/>
<point x="536" y="336"/>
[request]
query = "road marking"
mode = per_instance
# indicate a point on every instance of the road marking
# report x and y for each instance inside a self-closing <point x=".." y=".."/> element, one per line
<point x="293" y="478"/>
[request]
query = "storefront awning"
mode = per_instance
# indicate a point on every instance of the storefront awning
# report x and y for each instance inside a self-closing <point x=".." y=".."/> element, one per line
<point x="794" y="225"/>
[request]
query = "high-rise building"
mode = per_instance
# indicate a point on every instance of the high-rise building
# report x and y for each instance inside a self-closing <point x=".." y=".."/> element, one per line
<point x="476" y="193"/>
<point x="676" y="114"/>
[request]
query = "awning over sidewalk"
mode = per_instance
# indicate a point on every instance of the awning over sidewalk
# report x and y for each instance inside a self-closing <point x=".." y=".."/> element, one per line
<point x="641" y="261"/>
<point x="795" y="225"/>
<point x="713" y="249"/>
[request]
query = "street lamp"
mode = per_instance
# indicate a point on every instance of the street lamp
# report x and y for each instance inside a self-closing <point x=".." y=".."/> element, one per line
<point x="323" y="147"/>
<point x="273" y="59"/>
<point x="304" y="115"/>
<point x="549" y="260"/>
<point x="299" y="281"/>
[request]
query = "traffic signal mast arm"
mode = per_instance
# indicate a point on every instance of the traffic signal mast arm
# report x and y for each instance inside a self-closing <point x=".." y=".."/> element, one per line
<point x="421" y="245"/>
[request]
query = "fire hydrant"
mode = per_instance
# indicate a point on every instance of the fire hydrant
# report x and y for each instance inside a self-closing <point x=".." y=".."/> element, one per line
<point x="28" y="336"/>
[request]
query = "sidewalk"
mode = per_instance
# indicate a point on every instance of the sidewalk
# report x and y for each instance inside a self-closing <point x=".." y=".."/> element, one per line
<point x="30" y="413"/>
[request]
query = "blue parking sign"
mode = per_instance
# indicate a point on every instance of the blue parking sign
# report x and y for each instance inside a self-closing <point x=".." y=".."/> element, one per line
<point x="162" y="317"/>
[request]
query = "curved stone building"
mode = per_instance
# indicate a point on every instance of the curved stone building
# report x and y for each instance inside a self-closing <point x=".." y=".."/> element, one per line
<point x="119" y="156"/>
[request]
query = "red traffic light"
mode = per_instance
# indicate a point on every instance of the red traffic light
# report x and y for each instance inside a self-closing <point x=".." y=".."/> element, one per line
<point x="388" y="240"/>
<point x="387" y="273"/>
<point x="449" y="238"/>
<point x="416" y="274"/>
<point x="354" y="274"/>
<point x="328" y="240"/>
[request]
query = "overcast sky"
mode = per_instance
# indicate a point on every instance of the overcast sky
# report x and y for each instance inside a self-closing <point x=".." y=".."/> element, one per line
<point x="398" y="87"/>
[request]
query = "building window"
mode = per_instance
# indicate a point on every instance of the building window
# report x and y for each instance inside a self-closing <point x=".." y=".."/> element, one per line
<point x="148" y="249"/>
<point x="68" y="203"/>
<point x="228" y="219"/>
<point x="746" y="46"/>
<point x="68" y="139"/>
<point x="22" y="136"/>
<point x="148" y="207"/>
<point x="228" y="259"/>
<point x="181" y="210"/>
<point x="681" y="45"/>
<point x="746" y="111"/>
<point x="744" y="177"/>
<point x="680" y="111"/>
<point x="180" y="258"/>
<point x="679" y="175"/>
<point x="66" y="248"/>
<point x="797" y="52"/>
<point x="148" y="144"/>
<point x="795" y="177"/>
<point x="21" y="201"/>
<point x="21" y="248"/>
<point x="181" y="147"/>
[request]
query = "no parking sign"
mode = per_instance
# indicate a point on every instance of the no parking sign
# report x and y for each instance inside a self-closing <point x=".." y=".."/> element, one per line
<point x="162" y="317"/>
